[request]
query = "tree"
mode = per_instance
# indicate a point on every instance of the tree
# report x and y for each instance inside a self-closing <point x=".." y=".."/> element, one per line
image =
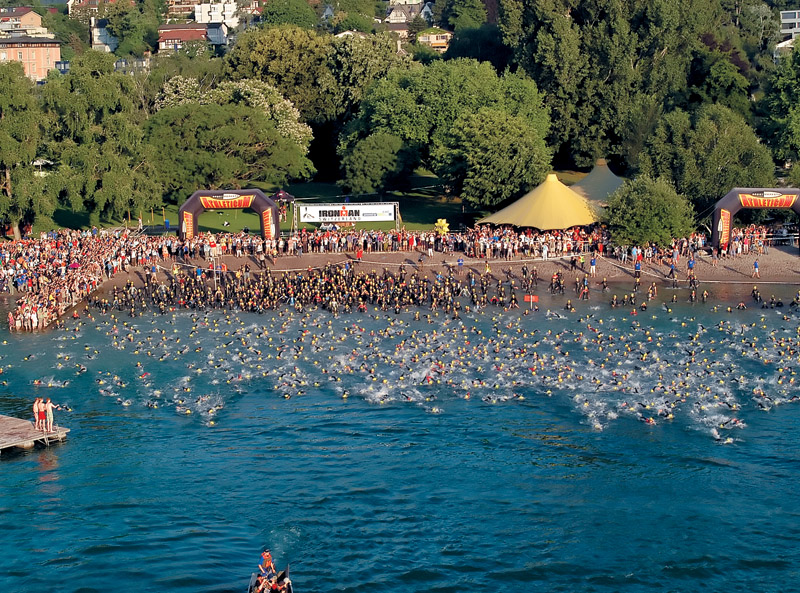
<point x="293" y="60"/>
<point x="96" y="141"/>
<point x="375" y="163"/>
<point x="465" y="14"/>
<point x="648" y="210"/>
<point x="21" y="197"/>
<point x="491" y="156"/>
<point x="217" y="145"/>
<point x="719" y="81"/>
<point x="355" y="63"/>
<point x="252" y="93"/>
<point x="483" y="44"/>
<point x="354" y="22"/>
<point x="71" y="32"/>
<point x="421" y="106"/>
<point x="148" y="87"/>
<point x="289" y="12"/>
<point x="590" y="58"/>
<point x="135" y="26"/>
<point x="415" y="27"/>
<point x="706" y="154"/>
<point x="783" y="94"/>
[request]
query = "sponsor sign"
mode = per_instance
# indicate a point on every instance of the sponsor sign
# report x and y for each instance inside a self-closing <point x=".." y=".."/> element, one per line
<point x="266" y="218"/>
<point x="188" y="225"/>
<point x="767" y="199"/>
<point x="233" y="201"/>
<point x="724" y="228"/>
<point x="347" y="212"/>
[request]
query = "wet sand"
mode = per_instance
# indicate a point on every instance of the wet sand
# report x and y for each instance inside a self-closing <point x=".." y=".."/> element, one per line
<point x="781" y="266"/>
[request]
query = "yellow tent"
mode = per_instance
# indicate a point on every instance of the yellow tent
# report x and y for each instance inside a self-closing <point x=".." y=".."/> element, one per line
<point x="598" y="184"/>
<point x="551" y="205"/>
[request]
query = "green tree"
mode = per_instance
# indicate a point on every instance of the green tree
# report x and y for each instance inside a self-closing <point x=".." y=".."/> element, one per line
<point x="148" y="87"/>
<point x="421" y="105"/>
<point x="293" y="60"/>
<point x="135" y="26"/>
<point x="375" y="163"/>
<point x="647" y="209"/>
<point x="71" y="32"/>
<point x="251" y="93"/>
<point x="95" y="138"/>
<point x="21" y="192"/>
<point x="491" y="156"/>
<point x="483" y="44"/>
<point x="289" y="12"/>
<point x="465" y="14"/>
<point x="590" y="58"/>
<point x="707" y="154"/>
<point x="720" y="82"/>
<point x="217" y="145"/>
<point x="354" y="22"/>
<point x="415" y="27"/>
<point x="783" y="95"/>
<point x="355" y="63"/>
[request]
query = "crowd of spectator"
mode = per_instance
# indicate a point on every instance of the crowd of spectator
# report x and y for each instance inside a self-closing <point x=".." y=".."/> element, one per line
<point x="51" y="274"/>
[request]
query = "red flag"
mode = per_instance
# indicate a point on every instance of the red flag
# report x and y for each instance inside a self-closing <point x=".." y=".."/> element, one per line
<point x="531" y="298"/>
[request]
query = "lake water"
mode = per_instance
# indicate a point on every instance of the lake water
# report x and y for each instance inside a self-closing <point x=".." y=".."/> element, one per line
<point x="506" y="453"/>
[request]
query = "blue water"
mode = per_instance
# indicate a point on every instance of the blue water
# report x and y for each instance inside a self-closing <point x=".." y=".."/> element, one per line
<point x="405" y="485"/>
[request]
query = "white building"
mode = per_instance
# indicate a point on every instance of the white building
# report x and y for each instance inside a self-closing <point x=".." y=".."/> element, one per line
<point x="100" y="38"/>
<point x="790" y="23"/>
<point x="218" y="12"/>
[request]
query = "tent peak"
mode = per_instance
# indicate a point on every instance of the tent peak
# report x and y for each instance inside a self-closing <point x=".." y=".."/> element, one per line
<point x="552" y="177"/>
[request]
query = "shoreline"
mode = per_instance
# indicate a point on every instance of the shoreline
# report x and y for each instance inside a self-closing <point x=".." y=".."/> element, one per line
<point x="779" y="267"/>
<point x="781" y="264"/>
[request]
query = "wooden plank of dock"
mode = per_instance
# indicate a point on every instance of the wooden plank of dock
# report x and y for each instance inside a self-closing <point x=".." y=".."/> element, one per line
<point x="15" y="432"/>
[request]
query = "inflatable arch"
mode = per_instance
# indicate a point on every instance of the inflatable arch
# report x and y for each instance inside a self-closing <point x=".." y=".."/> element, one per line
<point x="748" y="197"/>
<point x="255" y="199"/>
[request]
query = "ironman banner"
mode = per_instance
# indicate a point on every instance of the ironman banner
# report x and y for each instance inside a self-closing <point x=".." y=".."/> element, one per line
<point x="373" y="212"/>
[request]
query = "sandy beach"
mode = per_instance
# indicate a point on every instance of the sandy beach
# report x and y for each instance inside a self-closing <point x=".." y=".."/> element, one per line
<point x="781" y="266"/>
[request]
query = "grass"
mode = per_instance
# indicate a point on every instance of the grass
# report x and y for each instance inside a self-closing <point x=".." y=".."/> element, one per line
<point x="420" y="206"/>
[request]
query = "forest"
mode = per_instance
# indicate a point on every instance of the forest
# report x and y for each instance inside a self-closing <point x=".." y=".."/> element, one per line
<point x="692" y="95"/>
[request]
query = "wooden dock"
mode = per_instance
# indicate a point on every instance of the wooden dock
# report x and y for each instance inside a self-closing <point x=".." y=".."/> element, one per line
<point x="15" y="432"/>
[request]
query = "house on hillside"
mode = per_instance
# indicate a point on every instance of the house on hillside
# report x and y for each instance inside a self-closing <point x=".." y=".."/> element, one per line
<point x="403" y="13"/>
<point x="435" y="38"/>
<point x="180" y="9"/>
<point x="82" y="8"/>
<point x="174" y="37"/>
<point x="38" y="55"/>
<point x="427" y="12"/>
<point x="19" y="17"/>
<point x="100" y="38"/>
<point x="217" y="33"/>
<point x="399" y="14"/>
<point x="790" y="23"/>
<point x="218" y="12"/>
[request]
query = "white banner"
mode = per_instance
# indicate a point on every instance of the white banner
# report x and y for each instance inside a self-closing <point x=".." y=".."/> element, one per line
<point x="347" y="212"/>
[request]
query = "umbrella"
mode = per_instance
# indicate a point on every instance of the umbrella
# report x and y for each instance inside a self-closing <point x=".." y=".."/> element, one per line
<point x="74" y="265"/>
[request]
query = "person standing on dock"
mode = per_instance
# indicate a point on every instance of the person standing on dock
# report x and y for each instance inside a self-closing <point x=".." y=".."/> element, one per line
<point x="41" y="414"/>
<point x="48" y="406"/>
<point x="36" y="412"/>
